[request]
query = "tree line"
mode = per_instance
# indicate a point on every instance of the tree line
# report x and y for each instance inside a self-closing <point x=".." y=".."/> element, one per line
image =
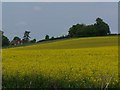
<point x="16" y="40"/>
<point x="99" y="28"/>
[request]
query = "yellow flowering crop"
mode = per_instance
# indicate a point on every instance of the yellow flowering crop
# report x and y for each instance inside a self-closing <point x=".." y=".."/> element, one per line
<point x="73" y="63"/>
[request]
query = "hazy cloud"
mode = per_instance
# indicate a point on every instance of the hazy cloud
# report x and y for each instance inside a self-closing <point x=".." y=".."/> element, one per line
<point x="37" y="8"/>
<point x="22" y="23"/>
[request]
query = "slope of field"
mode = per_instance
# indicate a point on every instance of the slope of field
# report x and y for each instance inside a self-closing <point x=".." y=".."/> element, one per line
<point x="74" y="63"/>
<point x="77" y="43"/>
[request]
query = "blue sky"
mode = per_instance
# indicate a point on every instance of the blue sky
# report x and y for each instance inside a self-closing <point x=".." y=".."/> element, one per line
<point x="54" y="19"/>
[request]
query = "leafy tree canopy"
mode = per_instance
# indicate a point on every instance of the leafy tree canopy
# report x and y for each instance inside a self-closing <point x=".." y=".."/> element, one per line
<point x="47" y="37"/>
<point x="5" y="40"/>
<point x="100" y="28"/>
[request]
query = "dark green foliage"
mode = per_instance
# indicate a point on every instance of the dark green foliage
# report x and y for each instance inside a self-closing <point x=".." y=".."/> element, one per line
<point x="41" y="82"/>
<point x="100" y="28"/>
<point x="52" y="38"/>
<point x="33" y="41"/>
<point x="26" y="36"/>
<point x="1" y="38"/>
<point x="76" y="29"/>
<point x="55" y="38"/>
<point x="16" y="41"/>
<point x="5" y="40"/>
<point x="16" y="38"/>
<point x="47" y="37"/>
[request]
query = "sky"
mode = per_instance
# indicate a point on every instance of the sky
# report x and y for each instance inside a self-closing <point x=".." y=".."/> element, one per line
<point x="54" y="19"/>
<point x="0" y="15"/>
<point x="60" y="0"/>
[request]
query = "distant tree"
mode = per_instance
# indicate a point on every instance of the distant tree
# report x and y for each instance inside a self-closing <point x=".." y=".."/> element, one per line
<point x="16" y="41"/>
<point x="5" y="40"/>
<point x="47" y="37"/>
<point x="76" y="30"/>
<point x="33" y="41"/>
<point x="26" y="36"/>
<point x="16" y="38"/>
<point x="62" y="36"/>
<point x="90" y="30"/>
<point x="102" y="28"/>
<point x="52" y="38"/>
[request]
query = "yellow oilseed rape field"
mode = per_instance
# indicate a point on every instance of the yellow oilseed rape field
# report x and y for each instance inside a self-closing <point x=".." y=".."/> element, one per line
<point x="73" y="63"/>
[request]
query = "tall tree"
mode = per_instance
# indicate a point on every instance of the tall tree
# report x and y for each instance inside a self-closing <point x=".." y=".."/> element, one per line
<point x="47" y="37"/>
<point x="26" y="36"/>
<point x="5" y="40"/>
<point x="102" y="28"/>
